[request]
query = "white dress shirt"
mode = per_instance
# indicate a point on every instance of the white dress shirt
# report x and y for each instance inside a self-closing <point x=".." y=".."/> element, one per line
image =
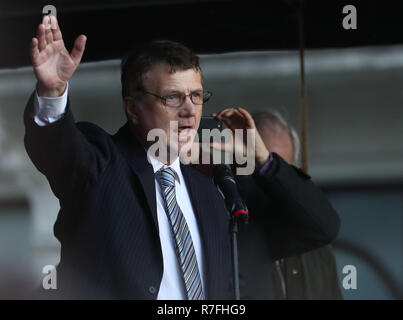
<point x="48" y="110"/>
<point x="172" y="285"/>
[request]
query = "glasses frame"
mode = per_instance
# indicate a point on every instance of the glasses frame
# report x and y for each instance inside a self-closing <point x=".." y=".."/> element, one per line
<point x="183" y="95"/>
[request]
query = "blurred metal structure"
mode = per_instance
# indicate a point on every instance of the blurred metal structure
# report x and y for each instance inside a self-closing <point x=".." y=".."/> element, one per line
<point x="374" y="262"/>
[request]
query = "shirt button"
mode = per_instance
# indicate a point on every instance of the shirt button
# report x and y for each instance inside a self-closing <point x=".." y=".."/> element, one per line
<point x="151" y="290"/>
<point x="294" y="272"/>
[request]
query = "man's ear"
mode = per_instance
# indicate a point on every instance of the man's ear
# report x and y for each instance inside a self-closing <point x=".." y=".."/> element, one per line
<point x="131" y="109"/>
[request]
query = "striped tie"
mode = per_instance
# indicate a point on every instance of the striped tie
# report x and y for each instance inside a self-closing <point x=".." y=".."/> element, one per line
<point x="184" y="244"/>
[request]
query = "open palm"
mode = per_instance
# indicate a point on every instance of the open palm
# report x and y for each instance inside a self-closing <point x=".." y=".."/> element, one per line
<point x="53" y="64"/>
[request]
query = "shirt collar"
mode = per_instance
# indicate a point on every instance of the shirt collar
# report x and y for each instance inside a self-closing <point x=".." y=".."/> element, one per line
<point x="157" y="165"/>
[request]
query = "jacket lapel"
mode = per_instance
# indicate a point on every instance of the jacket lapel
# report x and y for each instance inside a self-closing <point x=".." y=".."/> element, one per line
<point x="193" y="186"/>
<point x="199" y="192"/>
<point x="137" y="158"/>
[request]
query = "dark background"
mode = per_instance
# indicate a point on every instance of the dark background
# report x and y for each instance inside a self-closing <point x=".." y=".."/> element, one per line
<point x="206" y="26"/>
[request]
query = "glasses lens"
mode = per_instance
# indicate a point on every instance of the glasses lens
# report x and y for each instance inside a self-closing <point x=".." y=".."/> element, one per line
<point x="197" y="97"/>
<point x="173" y="100"/>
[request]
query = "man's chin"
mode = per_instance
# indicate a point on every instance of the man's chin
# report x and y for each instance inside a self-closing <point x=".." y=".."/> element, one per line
<point x="183" y="147"/>
<point x="185" y="143"/>
<point x="180" y="146"/>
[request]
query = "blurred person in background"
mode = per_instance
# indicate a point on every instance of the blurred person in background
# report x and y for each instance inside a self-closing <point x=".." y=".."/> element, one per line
<point x="311" y="275"/>
<point x="287" y="270"/>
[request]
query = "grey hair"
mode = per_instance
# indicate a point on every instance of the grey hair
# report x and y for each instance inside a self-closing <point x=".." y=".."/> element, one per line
<point x="274" y="117"/>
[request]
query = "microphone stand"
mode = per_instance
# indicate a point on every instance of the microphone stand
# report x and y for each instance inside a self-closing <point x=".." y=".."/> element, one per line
<point x="225" y="181"/>
<point x="235" y="268"/>
<point x="234" y="241"/>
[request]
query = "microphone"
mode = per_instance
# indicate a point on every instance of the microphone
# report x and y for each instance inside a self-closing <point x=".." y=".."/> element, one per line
<point x="224" y="179"/>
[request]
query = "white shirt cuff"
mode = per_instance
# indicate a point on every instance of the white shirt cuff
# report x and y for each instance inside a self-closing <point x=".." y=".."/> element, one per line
<point x="49" y="110"/>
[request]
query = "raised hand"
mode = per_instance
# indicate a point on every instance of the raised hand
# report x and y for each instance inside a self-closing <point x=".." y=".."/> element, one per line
<point x="53" y="64"/>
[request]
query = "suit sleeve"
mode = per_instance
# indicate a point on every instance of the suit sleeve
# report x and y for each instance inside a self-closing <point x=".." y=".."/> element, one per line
<point x="295" y="214"/>
<point x="70" y="155"/>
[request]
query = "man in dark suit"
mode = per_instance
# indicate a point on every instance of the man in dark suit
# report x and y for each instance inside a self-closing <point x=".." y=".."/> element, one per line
<point x="134" y="223"/>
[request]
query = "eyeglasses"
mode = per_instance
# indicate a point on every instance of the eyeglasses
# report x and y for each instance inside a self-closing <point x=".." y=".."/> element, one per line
<point x="176" y="99"/>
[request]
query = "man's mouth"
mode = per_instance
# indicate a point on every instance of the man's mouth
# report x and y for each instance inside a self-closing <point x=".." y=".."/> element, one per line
<point x="184" y="129"/>
<point x="184" y="133"/>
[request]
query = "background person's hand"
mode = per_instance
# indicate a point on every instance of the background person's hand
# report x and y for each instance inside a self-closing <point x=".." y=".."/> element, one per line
<point x="53" y="64"/>
<point x="239" y="118"/>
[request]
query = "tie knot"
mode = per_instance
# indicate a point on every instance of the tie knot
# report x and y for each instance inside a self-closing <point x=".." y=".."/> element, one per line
<point x="167" y="177"/>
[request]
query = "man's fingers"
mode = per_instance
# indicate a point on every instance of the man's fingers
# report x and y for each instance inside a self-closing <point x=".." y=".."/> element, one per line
<point x="227" y="113"/>
<point x="234" y="119"/>
<point x="41" y="37"/>
<point x="45" y="20"/>
<point x="48" y="36"/>
<point x="57" y="34"/>
<point x="239" y="114"/>
<point x="34" y="51"/>
<point x="226" y="117"/>
<point x="48" y="33"/>
<point x="78" y="49"/>
<point x="220" y="113"/>
<point x="247" y="116"/>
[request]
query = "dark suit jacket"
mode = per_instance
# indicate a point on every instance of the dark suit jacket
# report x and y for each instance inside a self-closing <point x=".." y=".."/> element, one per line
<point x="107" y="224"/>
<point x="108" y="228"/>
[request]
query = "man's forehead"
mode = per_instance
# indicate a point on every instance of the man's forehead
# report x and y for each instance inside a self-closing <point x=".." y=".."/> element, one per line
<point x="163" y="69"/>
<point x="163" y="76"/>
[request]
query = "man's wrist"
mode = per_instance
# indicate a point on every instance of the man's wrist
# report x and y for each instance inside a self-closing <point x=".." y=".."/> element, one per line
<point x="49" y="109"/>
<point x="262" y="159"/>
<point x="44" y="92"/>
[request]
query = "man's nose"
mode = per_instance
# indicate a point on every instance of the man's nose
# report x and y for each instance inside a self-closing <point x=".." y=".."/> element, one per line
<point x="188" y="109"/>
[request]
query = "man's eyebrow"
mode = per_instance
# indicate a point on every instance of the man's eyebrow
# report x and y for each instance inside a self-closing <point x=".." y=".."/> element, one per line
<point x="170" y="90"/>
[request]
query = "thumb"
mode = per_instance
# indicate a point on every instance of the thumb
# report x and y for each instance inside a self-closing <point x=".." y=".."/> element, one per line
<point x="78" y="49"/>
